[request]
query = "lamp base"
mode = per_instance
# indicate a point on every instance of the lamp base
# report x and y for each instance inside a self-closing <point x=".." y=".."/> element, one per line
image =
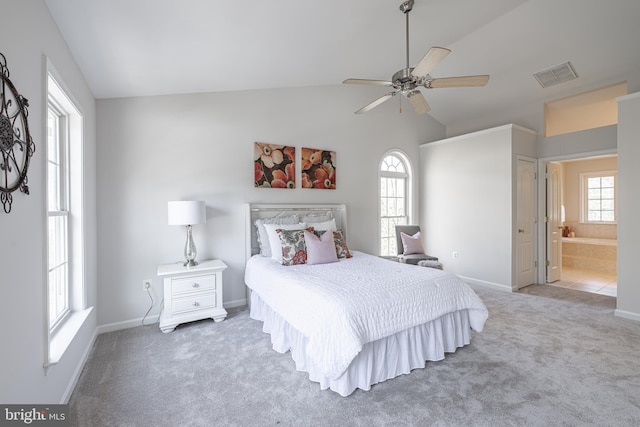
<point x="190" y="250"/>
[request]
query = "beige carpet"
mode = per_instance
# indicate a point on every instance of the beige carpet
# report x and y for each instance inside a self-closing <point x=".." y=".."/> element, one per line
<point x="548" y="356"/>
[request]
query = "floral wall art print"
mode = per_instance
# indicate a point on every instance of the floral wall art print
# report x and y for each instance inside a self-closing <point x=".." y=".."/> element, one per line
<point x="274" y="166"/>
<point x="318" y="169"/>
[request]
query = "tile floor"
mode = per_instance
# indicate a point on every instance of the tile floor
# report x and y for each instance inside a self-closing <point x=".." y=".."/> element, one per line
<point x="588" y="281"/>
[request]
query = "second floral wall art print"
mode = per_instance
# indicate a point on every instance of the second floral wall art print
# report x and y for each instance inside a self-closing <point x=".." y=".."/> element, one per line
<point x="318" y="169"/>
<point x="274" y="165"/>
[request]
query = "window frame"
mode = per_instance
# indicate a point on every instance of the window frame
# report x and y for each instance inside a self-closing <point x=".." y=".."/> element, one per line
<point x="60" y="334"/>
<point x="407" y="176"/>
<point x="584" y="195"/>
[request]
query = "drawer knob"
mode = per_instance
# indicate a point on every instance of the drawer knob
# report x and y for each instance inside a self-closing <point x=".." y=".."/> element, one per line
<point x="195" y="285"/>
<point x="196" y="303"/>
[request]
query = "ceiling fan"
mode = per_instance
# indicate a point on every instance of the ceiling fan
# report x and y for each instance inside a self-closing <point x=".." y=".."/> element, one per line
<point x="407" y="80"/>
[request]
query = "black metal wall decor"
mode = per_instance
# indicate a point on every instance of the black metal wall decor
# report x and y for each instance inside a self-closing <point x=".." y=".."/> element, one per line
<point x="16" y="145"/>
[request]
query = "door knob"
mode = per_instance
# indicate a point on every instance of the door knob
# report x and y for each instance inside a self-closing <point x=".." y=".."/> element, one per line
<point x="520" y="230"/>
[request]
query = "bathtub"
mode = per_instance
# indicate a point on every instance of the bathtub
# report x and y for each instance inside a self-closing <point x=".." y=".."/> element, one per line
<point x="590" y="241"/>
<point x="590" y="253"/>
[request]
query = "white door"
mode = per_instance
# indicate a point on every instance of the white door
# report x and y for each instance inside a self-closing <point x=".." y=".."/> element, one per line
<point x="554" y="221"/>
<point x="526" y="219"/>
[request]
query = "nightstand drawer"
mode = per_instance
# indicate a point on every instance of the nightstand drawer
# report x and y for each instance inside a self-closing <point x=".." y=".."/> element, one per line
<point x="192" y="284"/>
<point x="194" y="303"/>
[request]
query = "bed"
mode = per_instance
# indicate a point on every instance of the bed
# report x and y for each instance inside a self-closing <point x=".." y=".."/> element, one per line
<point x="360" y="320"/>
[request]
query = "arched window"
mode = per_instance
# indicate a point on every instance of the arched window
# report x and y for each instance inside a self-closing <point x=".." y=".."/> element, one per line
<point x="395" y="199"/>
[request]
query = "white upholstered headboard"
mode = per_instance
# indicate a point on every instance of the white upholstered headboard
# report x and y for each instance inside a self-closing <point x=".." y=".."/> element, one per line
<point x="257" y="211"/>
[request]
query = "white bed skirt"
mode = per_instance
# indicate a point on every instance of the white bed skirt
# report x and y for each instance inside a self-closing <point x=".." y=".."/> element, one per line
<point x="379" y="360"/>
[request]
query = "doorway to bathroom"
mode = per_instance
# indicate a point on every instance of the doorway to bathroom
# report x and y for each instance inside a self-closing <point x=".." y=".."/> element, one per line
<point x="580" y="221"/>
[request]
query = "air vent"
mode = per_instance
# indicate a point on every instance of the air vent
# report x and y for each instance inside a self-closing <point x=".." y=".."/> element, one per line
<point x="554" y="75"/>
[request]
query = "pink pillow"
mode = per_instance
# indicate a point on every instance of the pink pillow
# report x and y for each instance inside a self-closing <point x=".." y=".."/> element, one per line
<point x="412" y="244"/>
<point x="320" y="250"/>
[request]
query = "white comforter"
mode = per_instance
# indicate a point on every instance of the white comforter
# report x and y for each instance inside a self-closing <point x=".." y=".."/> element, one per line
<point x="341" y="306"/>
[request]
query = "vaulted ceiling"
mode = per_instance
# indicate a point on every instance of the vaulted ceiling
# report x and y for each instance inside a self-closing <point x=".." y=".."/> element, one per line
<point x="151" y="47"/>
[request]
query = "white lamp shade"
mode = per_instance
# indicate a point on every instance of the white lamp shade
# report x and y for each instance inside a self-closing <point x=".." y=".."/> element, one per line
<point x="187" y="212"/>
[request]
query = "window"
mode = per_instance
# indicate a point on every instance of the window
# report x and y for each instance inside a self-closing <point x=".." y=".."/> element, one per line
<point x="58" y="215"/>
<point x="599" y="196"/>
<point x="395" y="178"/>
<point x="66" y="308"/>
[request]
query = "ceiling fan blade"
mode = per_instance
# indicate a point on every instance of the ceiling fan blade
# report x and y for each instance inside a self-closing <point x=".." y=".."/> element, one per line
<point x="375" y="103"/>
<point x="367" y="82"/>
<point x="462" y="81"/>
<point x="429" y="61"/>
<point x="419" y="104"/>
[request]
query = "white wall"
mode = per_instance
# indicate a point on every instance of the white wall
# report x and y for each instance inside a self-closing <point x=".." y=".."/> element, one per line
<point x="468" y="201"/>
<point x="27" y="33"/>
<point x="629" y="206"/>
<point x="578" y="143"/>
<point x="155" y="149"/>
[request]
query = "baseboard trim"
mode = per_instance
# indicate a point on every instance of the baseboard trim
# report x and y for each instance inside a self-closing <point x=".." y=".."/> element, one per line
<point x="492" y="285"/>
<point x="126" y="324"/>
<point x="76" y="373"/>
<point x="235" y="303"/>
<point x="627" y="315"/>
<point x="149" y="320"/>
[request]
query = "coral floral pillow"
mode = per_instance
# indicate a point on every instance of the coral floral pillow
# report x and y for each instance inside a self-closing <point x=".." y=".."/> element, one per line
<point x="341" y="245"/>
<point x="412" y="244"/>
<point x="294" y="249"/>
<point x="342" y="250"/>
<point x="320" y="250"/>
<point x="275" y="244"/>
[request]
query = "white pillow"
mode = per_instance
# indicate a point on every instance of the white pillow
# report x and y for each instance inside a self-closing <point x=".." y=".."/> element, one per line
<point x="274" y="240"/>
<point x="324" y="225"/>
<point x="263" y="239"/>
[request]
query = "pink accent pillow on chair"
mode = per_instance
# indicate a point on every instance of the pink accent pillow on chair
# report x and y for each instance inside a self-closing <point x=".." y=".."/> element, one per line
<point x="320" y="250"/>
<point x="412" y="244"/>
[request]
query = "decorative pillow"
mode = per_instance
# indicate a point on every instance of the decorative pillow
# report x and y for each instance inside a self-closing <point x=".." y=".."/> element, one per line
<point x="412" y="244"/>
<point x="294" y="248"/>
<point x="342" y="251"/>
<point x="263" y="239"/>
<point x="324" y="225"/>
<point x="341" y="245"/>
<point x="274" y="239"/>
<point x="320" y="250"/>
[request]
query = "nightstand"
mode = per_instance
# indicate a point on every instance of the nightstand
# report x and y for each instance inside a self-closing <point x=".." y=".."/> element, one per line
<point x="191" y="293"/>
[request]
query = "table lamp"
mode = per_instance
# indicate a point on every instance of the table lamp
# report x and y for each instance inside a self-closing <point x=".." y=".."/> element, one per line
<point x="187" y="213"/>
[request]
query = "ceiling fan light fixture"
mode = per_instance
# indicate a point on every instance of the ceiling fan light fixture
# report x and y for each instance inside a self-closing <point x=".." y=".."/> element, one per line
<point x="407" y="79"/>
<point x="402" y="76"/>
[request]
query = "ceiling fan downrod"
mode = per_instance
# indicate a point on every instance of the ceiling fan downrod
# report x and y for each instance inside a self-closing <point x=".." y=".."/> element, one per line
<point x="406" y="8"/>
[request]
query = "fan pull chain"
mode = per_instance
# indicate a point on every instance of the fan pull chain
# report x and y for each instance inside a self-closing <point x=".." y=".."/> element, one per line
<point x="400" y="97"/>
